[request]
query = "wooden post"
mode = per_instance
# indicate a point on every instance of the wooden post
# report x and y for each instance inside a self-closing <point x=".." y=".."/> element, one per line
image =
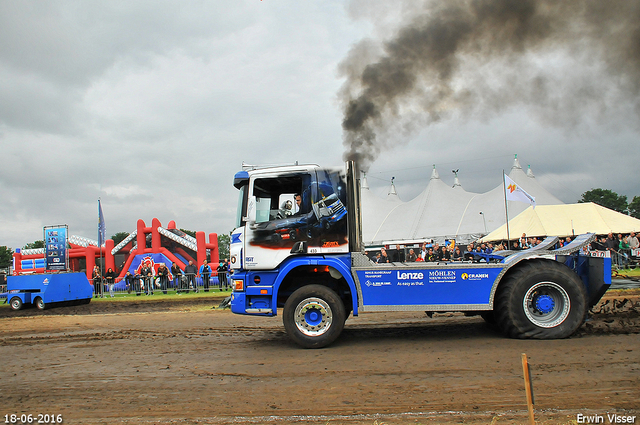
<point x="528" y="388"/>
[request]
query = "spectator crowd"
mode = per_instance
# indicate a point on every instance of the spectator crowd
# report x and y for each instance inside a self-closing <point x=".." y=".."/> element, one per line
<point x="149" y="279"/>
<point x="621" y="249"/>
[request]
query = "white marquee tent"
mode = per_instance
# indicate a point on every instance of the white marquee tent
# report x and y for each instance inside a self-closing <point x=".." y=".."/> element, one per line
<point x="566" y="220"/>
<point x="442" y="212"/>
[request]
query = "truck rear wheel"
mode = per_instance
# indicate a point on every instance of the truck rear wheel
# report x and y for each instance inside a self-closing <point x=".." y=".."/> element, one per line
<point x="542" y="299"/>
<point x="16" y="303"/>
<point x="40" y="303"/>
<point x="314" y="316"/>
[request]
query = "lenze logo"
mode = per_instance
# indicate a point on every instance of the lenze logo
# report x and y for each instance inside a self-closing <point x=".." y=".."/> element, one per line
<point x="403" y="276"/>
<point x="248" y="259"/>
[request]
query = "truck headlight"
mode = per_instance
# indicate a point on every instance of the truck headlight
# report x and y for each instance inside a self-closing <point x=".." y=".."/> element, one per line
<point x="238" y="285"/>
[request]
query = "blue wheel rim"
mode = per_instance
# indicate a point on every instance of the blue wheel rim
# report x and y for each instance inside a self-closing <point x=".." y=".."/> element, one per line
<point x="546" y="304"/>
<point x="313" y="316"/>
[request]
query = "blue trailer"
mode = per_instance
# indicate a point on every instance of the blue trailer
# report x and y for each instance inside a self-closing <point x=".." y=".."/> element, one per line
<point x="46" y="290"/>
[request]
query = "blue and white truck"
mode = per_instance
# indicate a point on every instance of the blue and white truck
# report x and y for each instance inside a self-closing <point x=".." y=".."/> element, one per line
<point x="311" y="264"/>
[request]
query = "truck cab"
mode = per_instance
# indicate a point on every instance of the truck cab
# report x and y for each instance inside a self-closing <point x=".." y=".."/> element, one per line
<point x="274" y="250"/>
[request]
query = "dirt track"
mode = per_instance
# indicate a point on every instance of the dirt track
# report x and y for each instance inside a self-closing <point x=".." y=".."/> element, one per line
<point x="153" y="362"/>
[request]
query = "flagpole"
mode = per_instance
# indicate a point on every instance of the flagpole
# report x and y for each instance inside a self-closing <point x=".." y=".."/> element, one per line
<point x="100" y="250"/>
<point x="506" y="207"/>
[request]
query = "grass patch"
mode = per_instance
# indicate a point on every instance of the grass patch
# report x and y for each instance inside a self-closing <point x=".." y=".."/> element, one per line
<point x="158" y="295"/>
<point x="630" y="272"/>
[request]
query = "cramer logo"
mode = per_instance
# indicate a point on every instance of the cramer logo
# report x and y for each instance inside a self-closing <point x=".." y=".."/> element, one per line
<point x="474" y="276"/>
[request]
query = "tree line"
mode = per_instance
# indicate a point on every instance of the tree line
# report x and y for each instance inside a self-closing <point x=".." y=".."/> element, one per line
<point x="610" y="199"/>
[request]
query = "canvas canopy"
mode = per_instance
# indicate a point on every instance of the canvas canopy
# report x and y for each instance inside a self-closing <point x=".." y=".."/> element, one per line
<point x="442" y="211"/>
<point x="565" y="220"/>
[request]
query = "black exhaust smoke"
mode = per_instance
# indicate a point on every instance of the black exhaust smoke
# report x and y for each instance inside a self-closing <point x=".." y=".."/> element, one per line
<point x="562" y="59"/>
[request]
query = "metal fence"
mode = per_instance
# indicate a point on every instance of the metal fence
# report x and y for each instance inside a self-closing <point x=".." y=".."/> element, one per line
<point x="625" y="258"/>
<point x="154" y="285"/>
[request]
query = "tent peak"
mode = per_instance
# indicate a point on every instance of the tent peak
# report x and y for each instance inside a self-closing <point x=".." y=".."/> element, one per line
<point x="530" y="173"/>
<point x="516" y="163"/>
<point x="392" y="189"/>
<point x="363" y="183"/>
<point x="434" y="173"/>
<point x="456" y="182"/>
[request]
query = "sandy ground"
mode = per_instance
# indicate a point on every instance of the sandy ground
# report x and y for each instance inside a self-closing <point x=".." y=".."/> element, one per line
<point x="185" y="362"/>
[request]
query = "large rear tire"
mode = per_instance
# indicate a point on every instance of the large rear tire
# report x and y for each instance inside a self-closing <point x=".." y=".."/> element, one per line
<point x="314" y="316"/>
<point x="541" y="299"/>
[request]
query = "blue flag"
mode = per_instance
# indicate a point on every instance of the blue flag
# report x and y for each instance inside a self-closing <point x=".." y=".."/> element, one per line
<point x="102" y="230"/>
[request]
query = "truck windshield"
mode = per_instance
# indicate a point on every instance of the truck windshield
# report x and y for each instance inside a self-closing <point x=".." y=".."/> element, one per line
<point x="276" y="196"/>
<point x="242" y="206"/>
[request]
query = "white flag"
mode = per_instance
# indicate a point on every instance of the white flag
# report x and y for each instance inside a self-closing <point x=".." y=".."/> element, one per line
<point x="516" y="193"/>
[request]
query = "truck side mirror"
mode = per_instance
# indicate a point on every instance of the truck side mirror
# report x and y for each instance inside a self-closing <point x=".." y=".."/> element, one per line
<point x="251" y="210"/>
<point x="299" y="247"/>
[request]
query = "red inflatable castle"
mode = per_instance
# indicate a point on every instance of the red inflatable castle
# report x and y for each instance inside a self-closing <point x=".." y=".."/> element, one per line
<point x="153" y="246"/>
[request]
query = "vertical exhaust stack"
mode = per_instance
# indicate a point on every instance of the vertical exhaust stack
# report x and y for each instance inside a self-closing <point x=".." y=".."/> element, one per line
<point x="354" y="214"/>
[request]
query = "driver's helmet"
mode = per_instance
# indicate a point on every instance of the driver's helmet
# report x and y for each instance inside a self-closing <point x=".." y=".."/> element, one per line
<point x="287" y="205"/>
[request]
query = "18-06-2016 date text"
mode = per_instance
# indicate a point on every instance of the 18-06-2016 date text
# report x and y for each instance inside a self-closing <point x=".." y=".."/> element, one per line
<point x="30" y="418"/>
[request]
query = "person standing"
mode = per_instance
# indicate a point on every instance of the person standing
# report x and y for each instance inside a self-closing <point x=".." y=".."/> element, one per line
<point x="163" y="273"/>
<point x="457" y="254"/>
<point x="412" y="257"/>
<point x="633" y="241"/>
<point x="398" y="256"/>
<point x="110" y="276"/>
<point x="445" y="255"/>
<point x="625" y="251"/>
<point x="96" y="277"/>
<point x="129" y="281"/>
<point x="222" y="274"/>
<point x="205" y="272"/>
<point x="190" y="272"/>
<point x="147" y="273"/>
<point x="177" y="274"/>
<point x="611" y="244"/>
<point x="138" y="283"/>
<point x="384" y="257"/>
<point x="423" y="252"/>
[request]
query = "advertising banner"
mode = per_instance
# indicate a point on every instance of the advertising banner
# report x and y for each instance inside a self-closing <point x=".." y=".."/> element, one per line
<point x="450" y="286"/>
<point x="55" y="247"/>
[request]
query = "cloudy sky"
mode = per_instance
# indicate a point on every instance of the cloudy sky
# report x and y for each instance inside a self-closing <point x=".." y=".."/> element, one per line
<point x="152" y="106"/>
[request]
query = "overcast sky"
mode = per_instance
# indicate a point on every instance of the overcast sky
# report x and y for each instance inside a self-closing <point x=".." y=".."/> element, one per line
<point x="152" y="106"/>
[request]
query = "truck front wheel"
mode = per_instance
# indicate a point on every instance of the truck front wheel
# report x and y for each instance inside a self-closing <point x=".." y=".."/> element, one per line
<point x="16" y="303"/>
<point x="542" y="299"/>
<point x="314" y="316"/>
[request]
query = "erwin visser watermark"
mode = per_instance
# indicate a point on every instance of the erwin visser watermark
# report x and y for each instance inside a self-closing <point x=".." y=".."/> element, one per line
<point x="609" y="418"/>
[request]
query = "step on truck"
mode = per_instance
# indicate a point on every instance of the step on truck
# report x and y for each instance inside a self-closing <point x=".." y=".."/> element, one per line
<point x="298" y="246"/>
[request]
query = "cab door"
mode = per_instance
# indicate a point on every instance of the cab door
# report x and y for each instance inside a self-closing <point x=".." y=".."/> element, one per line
<point x="279" y="214"/>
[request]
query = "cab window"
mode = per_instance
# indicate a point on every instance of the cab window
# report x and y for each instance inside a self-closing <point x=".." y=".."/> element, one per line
<point x="276" y="197"/>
